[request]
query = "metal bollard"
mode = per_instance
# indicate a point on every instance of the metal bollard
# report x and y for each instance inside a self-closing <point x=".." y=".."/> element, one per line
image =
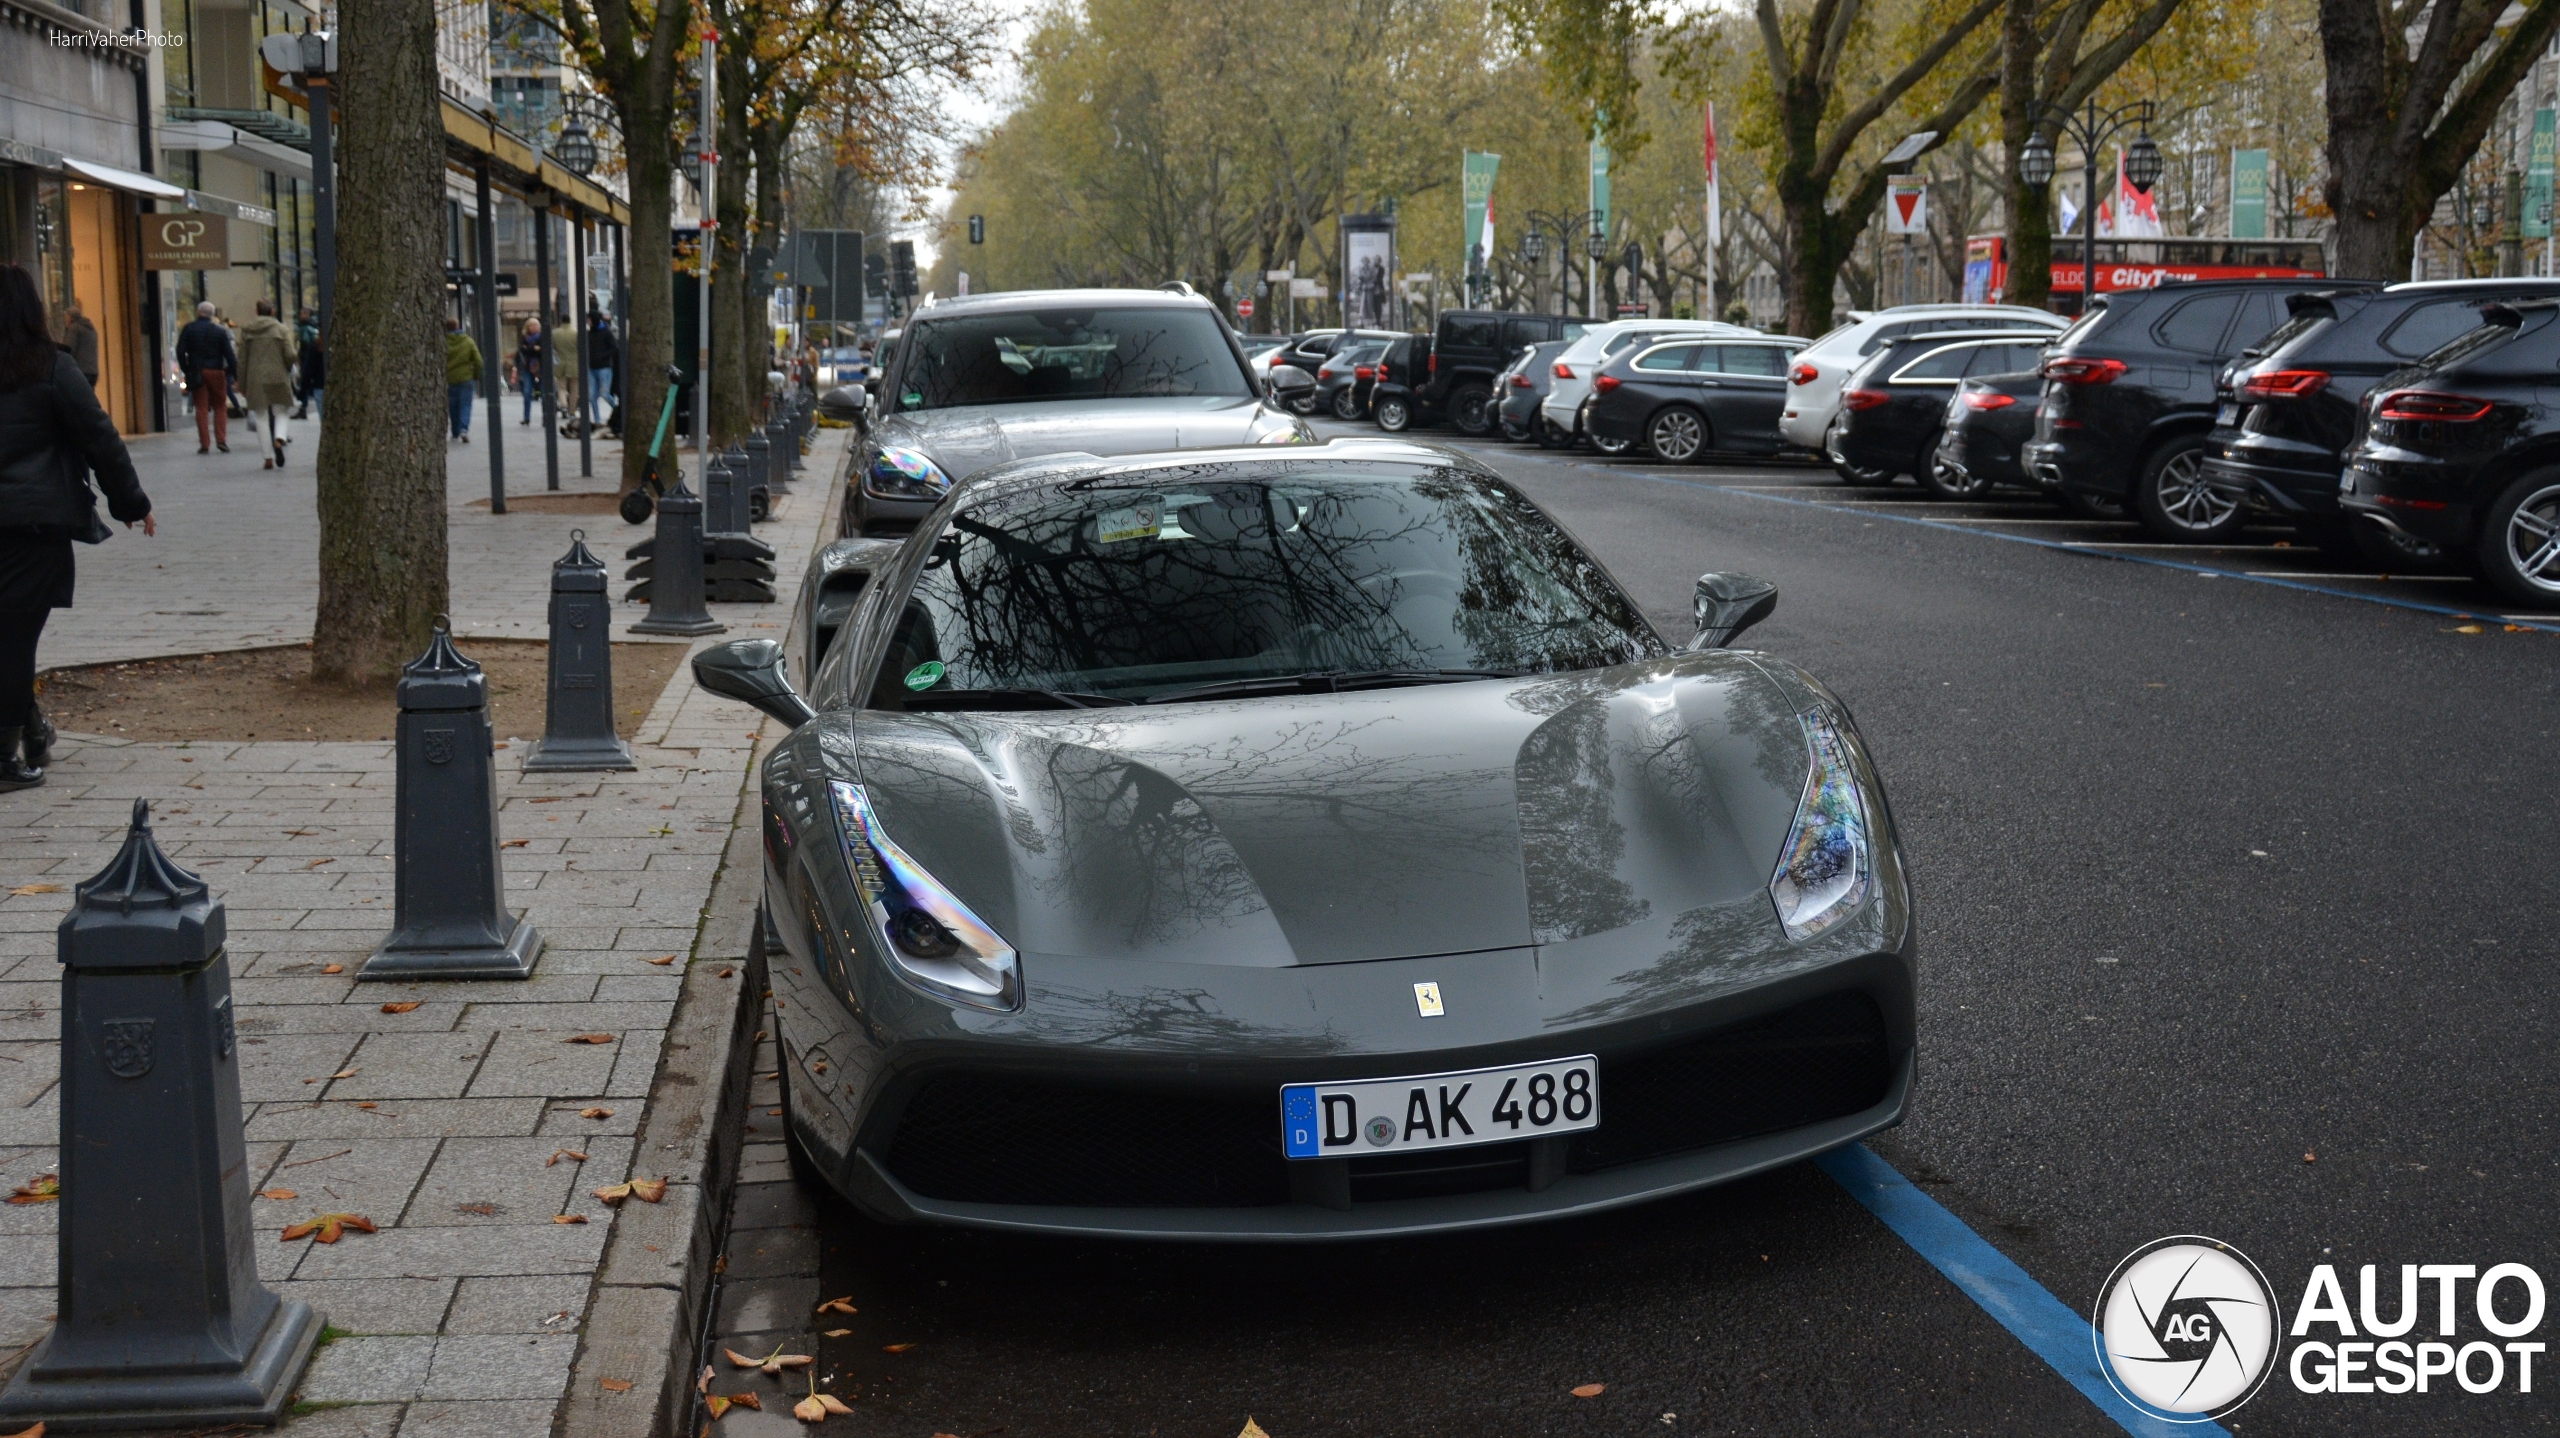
<point x="741" y="480"/>
<point x="450" y="918"/>
<point x="161" y="1322"/>
<point x="778" y="449"/>
<point x="803" y="418"/>
<point x="675" y="579"/>
<point x="577" y="719"/>
<point x="719" y="482"/>
<point x="758" y="449"/>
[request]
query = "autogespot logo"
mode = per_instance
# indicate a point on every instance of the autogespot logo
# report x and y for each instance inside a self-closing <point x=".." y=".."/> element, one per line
<point x="2186" y="1328"/>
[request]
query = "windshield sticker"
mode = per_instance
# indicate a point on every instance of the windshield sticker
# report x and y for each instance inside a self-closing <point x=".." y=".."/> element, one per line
<point x="1142" y="520"/>
<point x="926" y="675"/>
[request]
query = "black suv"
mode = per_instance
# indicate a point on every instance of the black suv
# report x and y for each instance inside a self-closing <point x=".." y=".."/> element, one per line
<point x="2294" y="409"/>
<point x="2129" y="399"/>
<point x="2462" y="453"/>
<point x="1470" y="349"/>
<point x="1893" y="406"/>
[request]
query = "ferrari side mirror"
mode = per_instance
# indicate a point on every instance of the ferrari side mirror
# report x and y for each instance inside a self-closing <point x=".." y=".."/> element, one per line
<point x="1287" y="382"/>
<point x="752" y="670"/>
<point x="1727" y="605"/>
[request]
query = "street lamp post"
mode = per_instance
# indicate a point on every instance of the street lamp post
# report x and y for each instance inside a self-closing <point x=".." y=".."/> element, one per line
<point x="1541" y="223"/>
<point x="2091" y="129"/>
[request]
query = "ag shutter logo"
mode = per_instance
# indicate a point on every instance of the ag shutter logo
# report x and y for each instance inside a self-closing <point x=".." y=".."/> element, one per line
<point x="2186" y="1328"/>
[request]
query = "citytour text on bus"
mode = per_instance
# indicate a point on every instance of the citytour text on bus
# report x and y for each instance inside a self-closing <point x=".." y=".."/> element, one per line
<point x="2139" y="264"/>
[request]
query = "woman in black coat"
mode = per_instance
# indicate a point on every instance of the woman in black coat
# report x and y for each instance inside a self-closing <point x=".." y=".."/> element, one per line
<point x="52" y="436"/>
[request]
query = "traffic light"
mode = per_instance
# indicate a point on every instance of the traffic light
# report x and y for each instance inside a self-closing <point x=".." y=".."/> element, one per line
<point x="977" y="229"/>
<point x="902" y="268"/>
<point x="875" y="275"/>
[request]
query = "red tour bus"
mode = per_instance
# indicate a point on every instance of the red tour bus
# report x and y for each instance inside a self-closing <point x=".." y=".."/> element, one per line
<point x="2136" y="264"/>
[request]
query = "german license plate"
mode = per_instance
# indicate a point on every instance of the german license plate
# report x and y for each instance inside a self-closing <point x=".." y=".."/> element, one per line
<point x="1451" y="1110"/>
<point x="2230" y="415"/>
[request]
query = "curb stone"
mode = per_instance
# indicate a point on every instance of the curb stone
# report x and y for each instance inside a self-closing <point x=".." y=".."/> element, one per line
<point x="650" y="1310"/>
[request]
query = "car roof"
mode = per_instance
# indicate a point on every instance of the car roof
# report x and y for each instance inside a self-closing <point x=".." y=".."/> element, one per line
<point x="2512" y="282"/>
<point x="1001" y="301"/>
<point x="1049" y="469"/>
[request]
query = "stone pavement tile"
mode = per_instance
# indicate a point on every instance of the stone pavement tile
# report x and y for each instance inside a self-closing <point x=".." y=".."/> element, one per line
<point x="369" y="1370"/>
<point x="479" y="1419"/>
<point x="636" y="1063"/>
<point x="516" y="1178"/>
<point x="773" y="1205"/>
<point x="519" y="1305"/>
<point x="459" y="1252"/>
<point x="577" y="1018"/>
<point x="768" y="1305"/>
<point x="773" y="1253"/>
<point x="378" y="1305"/>
<point x="27" y="1261"/>
<point x="658" y="985"/>
<point x="352" y="1018"/>
<point x="566" y="1119"/>
<point x="611" y="963"/>
<point x="544" y="987"/>
<point x="305" y="985"/>
<point x="363" y="1420"/>
<point x="499" y="1366"/>
<point x="544" y="1062"/>
<point x="374" y="1177"/>
<point x="28" y="1071"/>
<point x="406" y="1066"/>
<point x="273" y="1067"/>
<point x="412" y="1118"/>
<point x="764" y="1163"/>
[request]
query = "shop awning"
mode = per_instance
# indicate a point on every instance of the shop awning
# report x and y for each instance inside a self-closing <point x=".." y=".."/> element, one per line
<point x="516" y="166"/>
<point x="229" y="139"/>
<point x="130" y="181"/>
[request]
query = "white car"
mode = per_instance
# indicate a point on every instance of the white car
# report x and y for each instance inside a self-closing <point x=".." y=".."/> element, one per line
<point x="1813" y="385"/>
<point x="1581" y="360"/>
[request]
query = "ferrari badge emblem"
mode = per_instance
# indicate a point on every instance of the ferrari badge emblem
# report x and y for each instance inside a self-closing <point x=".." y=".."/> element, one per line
<point x="1426" y="997"/>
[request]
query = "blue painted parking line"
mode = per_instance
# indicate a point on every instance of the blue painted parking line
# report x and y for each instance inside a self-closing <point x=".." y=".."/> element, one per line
<point x="2052" y="1332"/>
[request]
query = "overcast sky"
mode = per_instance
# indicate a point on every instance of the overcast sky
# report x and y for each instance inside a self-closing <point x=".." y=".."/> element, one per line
<point x="976" y="105"/>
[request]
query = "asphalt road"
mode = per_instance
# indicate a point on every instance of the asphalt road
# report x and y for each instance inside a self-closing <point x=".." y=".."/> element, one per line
<point x="2237" y="920"/>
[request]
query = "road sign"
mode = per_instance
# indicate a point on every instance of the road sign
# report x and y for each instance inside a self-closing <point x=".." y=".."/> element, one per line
<point x="1244" y="309"/>
<point x="1279" y="277"/>
<point x="1306" y="289"/>
<point x="1906" y="205"/>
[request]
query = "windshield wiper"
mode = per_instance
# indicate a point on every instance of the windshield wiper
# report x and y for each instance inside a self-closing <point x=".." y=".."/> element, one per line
<point x="1326" y="681"/>
<point x="948" y="699"/>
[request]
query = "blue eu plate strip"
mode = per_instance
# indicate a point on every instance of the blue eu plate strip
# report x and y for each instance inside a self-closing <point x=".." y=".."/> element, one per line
<point x="1298" y="1121"/>
<point x="2039" y="1320"/>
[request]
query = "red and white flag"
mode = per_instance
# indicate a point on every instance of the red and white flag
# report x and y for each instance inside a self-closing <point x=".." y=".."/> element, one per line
<point x="1715" y="201"/>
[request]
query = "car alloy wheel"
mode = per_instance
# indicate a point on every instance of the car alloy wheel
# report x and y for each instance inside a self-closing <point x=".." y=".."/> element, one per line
<point x="2176" y="503"/>
<point x="1551" y="435"/>
<point x="1949" y="480"/>
<point x="2520" y="545"/>
<point x="1849" y="473"/>
<point x="1346" y="403"/>
<point x="1471" y="410"/>
<point x="1612" y="447"/>
<point x="1394" y="415"/>
<point x="1676" y="435"/>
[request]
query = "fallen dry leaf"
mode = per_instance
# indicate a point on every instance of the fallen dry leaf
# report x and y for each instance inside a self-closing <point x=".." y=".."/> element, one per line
<point x="484" y="1210"/>
<point x="35" y="1432"/>
<point x="333" y="968"/>
<point x="1252" y="1429"/>
<point x="809" y="1410"/>
<point x="747" y="1400"/>
<point x="647" y="1190"/>
<point x="328" y="1227"/>
<point x="773" y="1366"/>
<point x="368" y="1105"/>
<point x="595" y="1113"/>
<point x="742" y="1360"/>
<point x="895" y="1347"/>
<point x="561" y="1153"/>
<point x="2466" y="629"/>
<point x="279" y="1194"/>
<point x="514" y="843"/>
<point x="614" y="1385"/>
<point x="661" y="963"/>
<point x="718" y="1405"/>
<point x="837" y="1332"/>
<point x="589" y="1039"/>
<point x="568" y="1218"/>
<point x="346" y="1073"/>
<point x="1591" y="1390"/>
<point x="831" y="1403"/>
<point x="724" y="973"/>
<point x="404" y="1007"/>
<point x="316" y="863"/>
<point x="2309" y="1157"/>
<point x="22" y="891"/>
<point x="703" y="1383"/>
<point x="839" y="1305"/>
<point x="43" y="1189"/>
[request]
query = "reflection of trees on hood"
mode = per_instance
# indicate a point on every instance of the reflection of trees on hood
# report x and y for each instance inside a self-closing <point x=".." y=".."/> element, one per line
<point x="1571" y="842"/>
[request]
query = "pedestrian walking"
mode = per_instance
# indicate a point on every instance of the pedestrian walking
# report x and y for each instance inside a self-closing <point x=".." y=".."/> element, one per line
<point x="305" y="330"/>
<point x="563" y="360"/>
<point x="83" y="337"/>
<point x="207" y="364"/>
<point x="266" y="376"/>
<point x="527" y="363"/>
<point x="461" y="377"/>
<point x="311" y="370"/>
<point x="53" y="436"/>
<point x="602" y="359"/>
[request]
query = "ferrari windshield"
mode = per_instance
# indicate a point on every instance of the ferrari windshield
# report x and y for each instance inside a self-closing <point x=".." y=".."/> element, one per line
<point x="1102" y="352"/>
<point x="1215" y="580"/>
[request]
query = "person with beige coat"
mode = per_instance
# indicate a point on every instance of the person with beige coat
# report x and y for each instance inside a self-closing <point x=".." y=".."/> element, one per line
<point x="267" y="353"/>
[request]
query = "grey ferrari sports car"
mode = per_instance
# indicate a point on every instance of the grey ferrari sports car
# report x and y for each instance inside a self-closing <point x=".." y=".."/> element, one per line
<point x="1306" y="843"/>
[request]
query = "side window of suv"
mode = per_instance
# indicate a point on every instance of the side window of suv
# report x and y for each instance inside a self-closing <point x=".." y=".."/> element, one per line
<point x="1519" y="334"/>
<point x="1884" y="335"/>
<point x="2261" y="311"/>
<point x="2430" y="327"/>
<point x="1944" y="366"/>
<point x="1470" y="332"/>
<point x="2196" y="325"/>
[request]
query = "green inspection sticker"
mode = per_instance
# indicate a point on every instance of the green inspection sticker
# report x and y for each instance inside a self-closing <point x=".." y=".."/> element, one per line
<point x="925" y="675"/>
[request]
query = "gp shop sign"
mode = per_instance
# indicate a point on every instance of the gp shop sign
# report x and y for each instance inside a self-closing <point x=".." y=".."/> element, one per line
<point x="186" y="242"/>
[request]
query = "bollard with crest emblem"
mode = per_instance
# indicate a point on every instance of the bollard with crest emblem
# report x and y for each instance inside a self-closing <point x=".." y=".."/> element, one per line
<point x="675" y="585"/>
<point x="577" y="721"/>
<point x="161" y="1321"/>
<point x="449" y="896"/>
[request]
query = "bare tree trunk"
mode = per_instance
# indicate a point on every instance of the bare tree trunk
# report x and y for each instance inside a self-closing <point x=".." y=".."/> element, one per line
<point x="382" y="461"/>
<point x="731" y="400"/>
<point x="2030" y="207"/>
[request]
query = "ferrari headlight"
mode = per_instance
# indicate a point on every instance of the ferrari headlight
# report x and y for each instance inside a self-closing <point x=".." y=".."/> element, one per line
<point x="904" y="474"/>
<point x="1286" y="434"/>
<point x="927" y="932"/>
<point x="1824" y="874"/>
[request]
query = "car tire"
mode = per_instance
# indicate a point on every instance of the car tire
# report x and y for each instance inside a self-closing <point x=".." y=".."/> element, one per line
<point x="1612" y="448"/>
<point x="1676" y="435"/>
<point x="1346" y="403"/>
<point x="1395" y="414"/>
<point x="1849" y="473"/>
<point x="1551" y="435"/>
<point x="2173" y="501"/>
<point x="1948" y="482"/>
<point x="1471" y="410"/>
<point x="2519" y="546"/>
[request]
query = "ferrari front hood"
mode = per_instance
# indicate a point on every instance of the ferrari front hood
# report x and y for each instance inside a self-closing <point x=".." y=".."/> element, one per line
<point x="1398" y="823"/>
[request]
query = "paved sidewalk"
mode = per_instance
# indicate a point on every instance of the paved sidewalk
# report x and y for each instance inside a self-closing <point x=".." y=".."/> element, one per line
<point x="460" y="1127"/>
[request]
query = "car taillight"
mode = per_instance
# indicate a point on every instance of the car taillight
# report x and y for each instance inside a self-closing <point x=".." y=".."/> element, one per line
<point x="1382" y="373"/>
<point x="1361" y="371"/>
<point x="1803" y="374"/>
<point x="2431" y="405"/>
<point x="1605" y="383"/>
<point x="2284" y="384"/>
<point x="1564" y="371"/>
<point x="1986" y="399"/>
<point x="1432" y="365"/>
<point x="1862" y="398"/>
<point x="1521" y="381"/>
<point x="1325" y="373"/>
<point x="2082" y="371"/>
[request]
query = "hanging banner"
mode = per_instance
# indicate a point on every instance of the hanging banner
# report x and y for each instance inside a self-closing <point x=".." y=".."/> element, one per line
<point x="2248" y="194"/>
<point x="1906" y="205"/>
<point x="1715" y="204"/>
<point x="2537" y="179"/>
<point x="1475" y="186"/>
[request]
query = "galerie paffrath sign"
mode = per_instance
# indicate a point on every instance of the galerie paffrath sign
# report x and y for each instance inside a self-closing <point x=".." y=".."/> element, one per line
<point x="186" y="242"/>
